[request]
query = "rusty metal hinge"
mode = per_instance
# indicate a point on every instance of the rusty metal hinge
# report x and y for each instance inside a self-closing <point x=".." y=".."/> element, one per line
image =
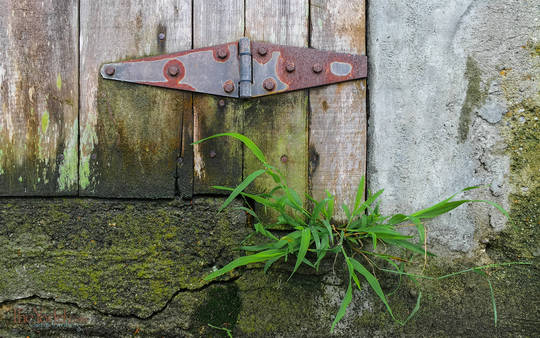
<point x="241" y="69"/>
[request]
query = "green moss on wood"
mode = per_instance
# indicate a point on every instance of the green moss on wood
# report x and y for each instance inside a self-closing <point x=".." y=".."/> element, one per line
<point x="132" y="150"/>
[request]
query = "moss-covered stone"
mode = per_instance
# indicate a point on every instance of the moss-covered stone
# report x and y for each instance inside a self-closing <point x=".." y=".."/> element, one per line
<point x="116" y="257"/>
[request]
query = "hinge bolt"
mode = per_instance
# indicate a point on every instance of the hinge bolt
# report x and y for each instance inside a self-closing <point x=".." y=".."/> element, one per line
<point x="221" y="103"/>
<point x="109" y="70"/>
<point x="212" y="154"/>
<point x="161" y="36"/>
<point x="290" y="67"/>
<point x="262" y="51"/>
<point x="317" y="68"/>
<point x="222" y="53"/>
<point x="284" y="159"/>
<point x="228" y="86"/>
<point x="173" y="70"/>
<point x="269" y="84"/>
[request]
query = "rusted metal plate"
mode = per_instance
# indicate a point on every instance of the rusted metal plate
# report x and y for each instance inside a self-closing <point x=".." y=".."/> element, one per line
<point x="211" y="70"/>
<point x="259" y="69"/>
<point x="278" y="68"/>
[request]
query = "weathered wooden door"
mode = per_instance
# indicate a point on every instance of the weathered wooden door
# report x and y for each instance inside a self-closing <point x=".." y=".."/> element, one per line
<point x="66" y="131"/>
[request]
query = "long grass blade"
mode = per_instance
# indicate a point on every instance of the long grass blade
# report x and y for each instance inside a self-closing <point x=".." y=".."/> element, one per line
<point x="241" y="187"/>
<point x="373" y="282"/>
<point x="245" y="260"/>
<point x="304" y="245"/>
<point x="359" y="193"/>
<point x="249" y="143"/>
<point x="493" y="302"/>
<point x="344" y="304"/>
<point x="415" y="309"/>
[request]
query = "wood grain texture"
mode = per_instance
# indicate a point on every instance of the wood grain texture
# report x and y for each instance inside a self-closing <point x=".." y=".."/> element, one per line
<point x="219" y="161"/>
<point x="338" y="118"/>
<point x="278" y="124"/>
<point x="130" y="135"/>
<point x="38" y="97"/>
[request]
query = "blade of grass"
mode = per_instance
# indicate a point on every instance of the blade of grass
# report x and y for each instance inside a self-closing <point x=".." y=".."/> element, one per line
<point x="344" y="304"/>
<point x="359" y="193"/>
<point x="373" y="282"/>
<point x="304" y="244"/>
<point x="491" y="293"/>
<point x="245" y="260"/>
<point x="241" y="187"/>
<point x="249" y="143"/>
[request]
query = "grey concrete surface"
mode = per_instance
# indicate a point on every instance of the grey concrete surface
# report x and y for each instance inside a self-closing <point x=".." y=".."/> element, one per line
<point x="442" y="76"/>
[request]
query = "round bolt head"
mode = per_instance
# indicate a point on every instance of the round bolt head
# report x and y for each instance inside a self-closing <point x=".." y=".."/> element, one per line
<point x="109" y="70"/>
<point x="228" y="86"/>
<point x="269" y="84"/>
<point x="222" y="53"/>
<point x="221" y="103"/>
<point x="290" y="67"/>
<point x="212" y="154"/>
<point x="284" y="159"/>
<point x="317" y="68"/>
<point x="161" y="36"/>
<point x="173" y="70"/>
<point x="262" y="50"/>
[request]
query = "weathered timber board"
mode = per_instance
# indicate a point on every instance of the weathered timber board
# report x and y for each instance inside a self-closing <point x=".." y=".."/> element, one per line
<point x="130" y="135"/>
<point x="278" y="124"/>
<point x="38" y="97"/>
<point x="218" y="161"/>
<point x="337" y="128"/>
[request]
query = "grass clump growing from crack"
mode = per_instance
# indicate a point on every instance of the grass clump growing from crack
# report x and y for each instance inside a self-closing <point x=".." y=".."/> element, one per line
<point x="313" y="234"/>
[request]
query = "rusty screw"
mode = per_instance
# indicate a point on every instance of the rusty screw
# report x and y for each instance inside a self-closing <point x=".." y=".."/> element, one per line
<point x="161" y="36"/>
<point x="228" y="87"/>
<point x="284" y="159"/>
<point x="262" y="51"/>
<point x="290" y="67"/>
<point x="222" y="53"/>
<point x="269" y="84"/>
<point x="109" y="70"/>
<point x="317" y="68"/>
<point x="173" y="70"/>
<point x="221" y="103"/>
<point x="212" y="154"/>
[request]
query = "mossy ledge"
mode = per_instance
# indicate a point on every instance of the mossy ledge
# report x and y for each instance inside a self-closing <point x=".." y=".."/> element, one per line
<point x="112" y="257"/>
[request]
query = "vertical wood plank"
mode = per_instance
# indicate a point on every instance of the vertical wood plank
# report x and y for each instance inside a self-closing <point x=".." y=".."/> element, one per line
<point x="38" y="97"/>
<point x="278" y="124"/>
<point x="338" y="119"/>
<point x="219" y="161"/>
<point x="130" y="134"/>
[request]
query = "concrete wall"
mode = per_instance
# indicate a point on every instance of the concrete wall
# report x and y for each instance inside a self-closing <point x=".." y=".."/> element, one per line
<point x="446" y="79"/>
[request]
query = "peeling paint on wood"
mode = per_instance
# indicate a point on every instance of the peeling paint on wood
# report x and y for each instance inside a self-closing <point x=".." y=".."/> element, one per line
<point x="38" y="97"/>
<point x="130" y="135"/>
<point x="219" y="161"/>
<point x="338" y="120"/>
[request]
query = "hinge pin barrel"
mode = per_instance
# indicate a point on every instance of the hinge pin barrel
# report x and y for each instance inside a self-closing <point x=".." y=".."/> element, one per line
<point x="244" y="50"/>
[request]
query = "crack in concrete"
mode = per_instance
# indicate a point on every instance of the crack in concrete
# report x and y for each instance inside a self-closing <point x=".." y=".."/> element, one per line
<point x="117" y="315"/>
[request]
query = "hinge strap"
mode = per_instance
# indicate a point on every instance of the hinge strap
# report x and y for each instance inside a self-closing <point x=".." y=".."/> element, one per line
<point x="241" y="69"/>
